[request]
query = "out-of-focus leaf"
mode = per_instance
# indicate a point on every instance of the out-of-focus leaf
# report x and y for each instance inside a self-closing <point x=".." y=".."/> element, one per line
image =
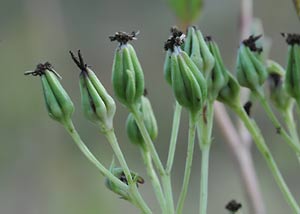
<point x="297" y="6"/>
<point x="186" y="10"/>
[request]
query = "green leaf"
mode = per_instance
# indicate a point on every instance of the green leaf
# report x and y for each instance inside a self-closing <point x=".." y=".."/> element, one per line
<point x="186" y="10"/>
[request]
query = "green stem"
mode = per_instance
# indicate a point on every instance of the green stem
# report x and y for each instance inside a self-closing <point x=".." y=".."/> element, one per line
<point x="280" y="130"/>
<point x="166" y="179"/>
<point x="290" y="122"/>
<point x="154" y="179"/>
<point x="112" y="139"/>
<point x="174" y="134"/>
<point x="188" y="163"/>
<point x="148" y="141"/>
<point x="204" y="138"/>
<point x="264" y="150"/>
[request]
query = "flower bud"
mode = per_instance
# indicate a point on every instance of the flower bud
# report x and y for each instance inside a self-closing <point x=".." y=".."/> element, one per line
<point x="218" y="77"/>
<point x="127" y="73"/>
<point x="58" y="103"/>
<point x="98" y="106"/>
<point x="188" y="83"/>
<point x="132" y="129"/>
<point x="251" y="72"/>
<point x="292" y="76"/>
<point x="196" y="47"/>
<point x="230" y="93"/>
<point x="119" y="173"/>
<point x="278" y="94"/>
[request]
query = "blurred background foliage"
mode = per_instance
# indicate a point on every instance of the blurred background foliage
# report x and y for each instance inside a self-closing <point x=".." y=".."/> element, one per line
<point x="42" y="171"/>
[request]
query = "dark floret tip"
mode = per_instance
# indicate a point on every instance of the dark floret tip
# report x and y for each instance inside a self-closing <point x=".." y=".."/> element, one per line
<point x="123" y="37"/>
<point x="145" y="92"/>
<point x="208" y="38"/>
<point x="41" y="68"/>
<point x="291" y="38"/>
<point x="176" y="39"/>
<point x="275" y="78"/>
<point x="233" y="206"/>
<point x="251" y="43"/>
<point x="79" y="61"/>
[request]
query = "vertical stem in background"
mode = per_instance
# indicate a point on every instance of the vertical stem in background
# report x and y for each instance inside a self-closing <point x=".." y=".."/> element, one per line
<point x="241" y="152"/>
<point x="188" y="163"/>
<point x="204" y="137"/>
<point x="264" y="150"/>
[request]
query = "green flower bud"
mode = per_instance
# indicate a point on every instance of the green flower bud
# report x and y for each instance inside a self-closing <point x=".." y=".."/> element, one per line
<point x="98" y="106"/>
<point x="251" y="72"/>
<point x="132" y="129"/>
<point x="127" y="73"/>
<point x="292" y="76"/>
<point x="230" y="93"/>
<point x="218" y="77"/>
<point x="196" y="47"/>
<point x="58" y="103"/>
<point x="188" y="83"/>
<point x="278" y="94"/>
<point x="119" y="173"/>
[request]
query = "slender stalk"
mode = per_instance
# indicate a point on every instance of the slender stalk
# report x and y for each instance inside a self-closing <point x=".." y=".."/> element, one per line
<point x="105" y="172"/>
<point x="174" y="135"/>
<point x="264" y="150"/>
<point x="204" y="138"/>
<point x="112" y="139"/>
<point x="154" y="179"/>
<point x="149" y="144"/>
<point x="279" y="128"/>
<point x="166" y="180"/>
<point x="188" y="163"/>
<point x="291" y="125"/>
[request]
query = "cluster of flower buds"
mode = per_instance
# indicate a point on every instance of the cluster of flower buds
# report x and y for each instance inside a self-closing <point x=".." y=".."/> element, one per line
<point x="187" y="81"/>
<point x="132" y="129"/>
<point x="250" y="70"/>
<point x="127" y="73"/>
<point x="98" y="106"/>
<point x="292" y="77"/>
<point x="278" y="94"/>
<point x="119" y="173"/>
<point x="196" y="47"/>
<point x="59" y="105"/>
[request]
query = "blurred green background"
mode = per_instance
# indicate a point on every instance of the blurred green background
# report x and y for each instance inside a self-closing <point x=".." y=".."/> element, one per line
<point x="41" y="169"/>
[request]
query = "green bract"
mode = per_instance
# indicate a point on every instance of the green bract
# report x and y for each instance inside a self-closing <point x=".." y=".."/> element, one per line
<point x="59" y="105"/>
<point x="127" y="73"/>
<point x="218" y="77"/>
<point x="251" y="72"/>
<point x="188" y="83"/>
<point x="132" y="129"/>
<point x="98" y="106"/>
<point x="292" y="77"/>
<point x="196" y="47"/>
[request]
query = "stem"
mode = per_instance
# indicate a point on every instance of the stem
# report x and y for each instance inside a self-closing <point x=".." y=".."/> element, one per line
<point x="112" y="139"/>
<point x="149" y="144"/>
<point x="280" y="130"/>
<point x="188" y="163"/>
<point x="264" y="150"/>
<point x="154" y="179"/>
<point x="290" y="122"/>
<point x="83" y="148"/>
<point x="204" y="138"/>
<point x="166" y="180"/>
<point x="173" y="140"/>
